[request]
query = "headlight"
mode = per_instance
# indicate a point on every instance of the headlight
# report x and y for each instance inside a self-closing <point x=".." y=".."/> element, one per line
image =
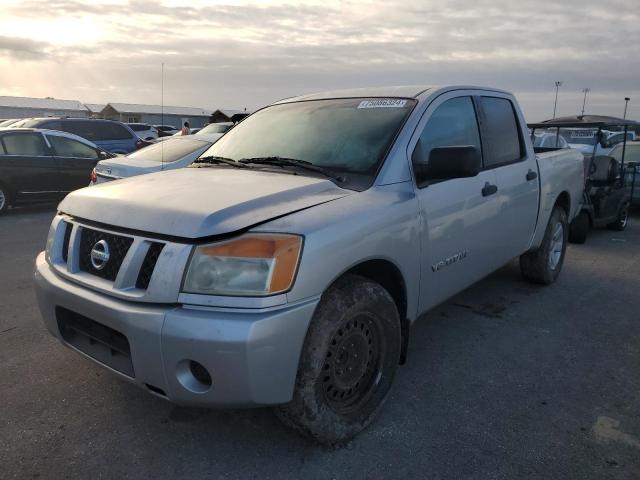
<point x="251" y="265"/>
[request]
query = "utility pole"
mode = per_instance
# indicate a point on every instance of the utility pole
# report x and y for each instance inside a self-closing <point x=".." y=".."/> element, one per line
<point x="584" y="101"/>
<point x="555" y="103"/>
<point x="626" y="102"/>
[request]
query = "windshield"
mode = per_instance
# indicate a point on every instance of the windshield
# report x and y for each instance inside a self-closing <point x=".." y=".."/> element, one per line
<point x="344" y="135"/>
<point x="216" y="128"/>
<point x="170" y="150"/>
<point x="631" y="153"/>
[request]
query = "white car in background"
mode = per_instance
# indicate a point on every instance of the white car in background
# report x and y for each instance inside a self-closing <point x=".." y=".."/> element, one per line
<point x="173" y="153"/>
<point x="144" y="130"/>
<point x="219" y="127"/>
<point x="585" y="139"/>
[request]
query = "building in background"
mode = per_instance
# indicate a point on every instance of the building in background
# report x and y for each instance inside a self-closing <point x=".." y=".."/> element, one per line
<point x="26" y="107"/>
<point x="95" y="109"/>
<point x="156" y="115"/>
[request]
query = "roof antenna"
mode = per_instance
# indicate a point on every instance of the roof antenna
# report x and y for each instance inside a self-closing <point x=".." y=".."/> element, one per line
<point x="162" y="116"/>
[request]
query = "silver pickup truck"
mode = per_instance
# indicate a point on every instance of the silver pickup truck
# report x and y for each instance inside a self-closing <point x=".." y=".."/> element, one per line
<point x="287" y="265"/>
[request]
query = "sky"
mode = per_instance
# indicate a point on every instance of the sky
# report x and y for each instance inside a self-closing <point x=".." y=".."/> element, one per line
<point x="246" y="54"/>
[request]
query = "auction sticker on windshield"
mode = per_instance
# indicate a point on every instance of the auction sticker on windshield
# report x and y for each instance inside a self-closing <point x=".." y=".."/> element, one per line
<point x="383" y="103"/>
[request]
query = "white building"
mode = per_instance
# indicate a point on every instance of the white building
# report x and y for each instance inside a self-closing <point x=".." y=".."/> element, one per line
<point x="26" y="107"/>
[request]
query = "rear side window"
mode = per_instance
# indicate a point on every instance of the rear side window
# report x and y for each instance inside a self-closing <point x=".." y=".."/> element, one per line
<point x="139" y="127"/>
<point x="67" y="147"/>
<point x="452" y="124"/>
<point x="85" y="129"/>
<point x="112" y="131"/>
<point x="27" y="144"/>
<point x="501" y="132"/>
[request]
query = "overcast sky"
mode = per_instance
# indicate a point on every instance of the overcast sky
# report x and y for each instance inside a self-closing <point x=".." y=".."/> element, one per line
<point x="239" y="54"/>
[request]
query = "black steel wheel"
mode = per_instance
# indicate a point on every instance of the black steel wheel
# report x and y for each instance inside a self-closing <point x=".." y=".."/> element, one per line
<point x="352" y="363"/>
<point x="348" y="362"/>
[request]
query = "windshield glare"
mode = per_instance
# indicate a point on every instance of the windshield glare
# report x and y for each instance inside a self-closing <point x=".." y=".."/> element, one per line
<point x="346" y="135"/>
<point x="170" y="150"/>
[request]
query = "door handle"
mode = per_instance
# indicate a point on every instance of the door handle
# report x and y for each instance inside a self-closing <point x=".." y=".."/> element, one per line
<point x="531" y="175"/>
<point x="489" y="189"/>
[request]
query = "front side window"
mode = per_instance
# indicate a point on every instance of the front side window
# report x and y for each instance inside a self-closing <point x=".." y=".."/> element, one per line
<point x="347" y="136"/>
<point x="501" y="132"/>
<point x="67" y="147"/>
<point x="452" y="124"/>
<point x="26" y="144"/>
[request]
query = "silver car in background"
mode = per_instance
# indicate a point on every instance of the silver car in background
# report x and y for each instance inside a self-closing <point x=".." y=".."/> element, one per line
<point x="172" y="153"/>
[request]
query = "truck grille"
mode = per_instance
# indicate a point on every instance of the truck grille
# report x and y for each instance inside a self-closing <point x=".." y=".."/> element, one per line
<point x="118" y="247"/>
<point x="148" y="265"/>
<point x="68" y="228"/>
<point x="102" y="343"/>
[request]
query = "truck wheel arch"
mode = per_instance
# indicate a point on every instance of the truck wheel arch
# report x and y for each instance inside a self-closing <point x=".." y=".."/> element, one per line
<point x="388" y="275"/>
<point x="564" y="201"/>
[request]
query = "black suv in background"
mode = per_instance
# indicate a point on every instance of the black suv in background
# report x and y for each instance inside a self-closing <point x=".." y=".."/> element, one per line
<point x="109" y="135"/>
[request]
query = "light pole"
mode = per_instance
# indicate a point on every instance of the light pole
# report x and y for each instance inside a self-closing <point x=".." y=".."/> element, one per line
<point x="584" y="101"/>
<point x="555" y="103"/>
<point x="626" y="102"/>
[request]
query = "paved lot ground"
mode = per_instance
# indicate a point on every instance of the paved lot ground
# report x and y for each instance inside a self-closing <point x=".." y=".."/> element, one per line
<point x="507" y="380"/>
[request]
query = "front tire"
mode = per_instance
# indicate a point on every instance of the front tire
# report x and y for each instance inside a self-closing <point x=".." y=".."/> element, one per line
<point x="348" y="362"/>
<point x="623" y="218"/>
<point x="544" y="264"/>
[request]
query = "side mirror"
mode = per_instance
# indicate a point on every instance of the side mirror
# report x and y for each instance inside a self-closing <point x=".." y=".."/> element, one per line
<point x="103" y="155"/>
<point x="605" y="143"/>
<point x="446" y="163"/>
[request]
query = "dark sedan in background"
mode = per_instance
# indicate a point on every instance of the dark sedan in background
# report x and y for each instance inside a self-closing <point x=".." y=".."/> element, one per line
<point x="43" y="165"/>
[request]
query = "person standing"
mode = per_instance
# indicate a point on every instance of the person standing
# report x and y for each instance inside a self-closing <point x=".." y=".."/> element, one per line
<point x="185" y="129"/>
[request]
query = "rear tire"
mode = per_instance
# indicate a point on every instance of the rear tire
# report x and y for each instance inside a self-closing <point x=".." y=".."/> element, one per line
<point x="579" y="228"/>
<point x="623" y="218"/>
<point x="544" y="264"/>
<point x="348" y="362"/>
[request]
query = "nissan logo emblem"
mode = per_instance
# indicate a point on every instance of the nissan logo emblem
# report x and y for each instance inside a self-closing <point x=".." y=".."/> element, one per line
<point x="100" y="255"/>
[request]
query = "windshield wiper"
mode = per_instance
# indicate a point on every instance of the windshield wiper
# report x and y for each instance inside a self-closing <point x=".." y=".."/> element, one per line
<point x="292" y="162"/>
<point x="212" y="160"/>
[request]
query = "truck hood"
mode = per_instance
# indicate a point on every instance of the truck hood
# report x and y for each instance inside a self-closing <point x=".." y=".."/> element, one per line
<point x="199" y="202"/>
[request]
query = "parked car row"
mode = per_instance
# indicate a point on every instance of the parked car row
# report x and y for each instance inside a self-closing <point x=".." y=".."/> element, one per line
<point x="109" y="135"/>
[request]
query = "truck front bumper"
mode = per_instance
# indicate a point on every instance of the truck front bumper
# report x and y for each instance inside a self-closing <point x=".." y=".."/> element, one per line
<point x="250" y="355"/>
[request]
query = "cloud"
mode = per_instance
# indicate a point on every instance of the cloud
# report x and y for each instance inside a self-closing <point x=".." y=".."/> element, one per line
<point x="21" y="48"/>
<point x="249" y="54"/>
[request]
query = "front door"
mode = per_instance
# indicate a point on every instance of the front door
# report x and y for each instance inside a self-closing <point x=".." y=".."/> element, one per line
<point x="459" y="216"/>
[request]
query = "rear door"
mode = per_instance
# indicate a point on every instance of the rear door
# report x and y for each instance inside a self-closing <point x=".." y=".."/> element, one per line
<point x="27" y="166"/>
<point x="516" y="173"/>
<point x="459" y="216"/>
<point x="75" y="161"/>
